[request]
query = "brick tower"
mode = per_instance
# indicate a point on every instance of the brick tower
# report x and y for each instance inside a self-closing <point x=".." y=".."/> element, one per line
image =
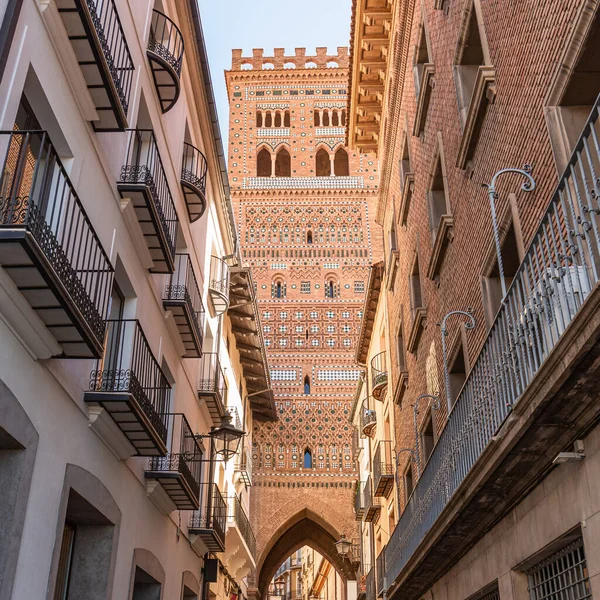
<point x="305" y="213"/>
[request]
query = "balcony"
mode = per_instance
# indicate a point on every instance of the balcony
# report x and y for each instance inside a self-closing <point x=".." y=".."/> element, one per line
<point x="243" y="465"/>
<point x="371" y="503"/>
<point x="379" y="375"/>
<point x="100" y="47"/>
<point x="383" y="469"/>
<point x="530" y="394"/>
<point x="239" y="526"/>
<point x="183" y="299"/>
<point x="144" y="182"/>
<point x="361" y="582"/>
<point x="207" y="525"/>
<point x="368" y="419"/>
<point x="356" y="444"/>
<point x="211" y="386"/>
<point x="50" y="250"/>
<point x="193" y="181"/>
<point x="218" y="285"/>
<point x="370" y="591"/>
<point x="128" y="386"/>
<point x="380" y="573"/>
<point x="165" y="55"/>
<point x="359" y="500"/>
<point x="173" y="481"/>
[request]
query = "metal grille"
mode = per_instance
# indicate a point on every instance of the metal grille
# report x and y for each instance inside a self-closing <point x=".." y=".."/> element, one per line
<point x="562" y="576"/>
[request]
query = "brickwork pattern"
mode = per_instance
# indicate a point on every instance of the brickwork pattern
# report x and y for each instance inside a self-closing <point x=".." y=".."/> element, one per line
<point x="525" y="44"/>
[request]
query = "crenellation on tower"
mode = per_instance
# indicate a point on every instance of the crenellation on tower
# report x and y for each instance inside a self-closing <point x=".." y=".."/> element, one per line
<point x="280" y="60"/>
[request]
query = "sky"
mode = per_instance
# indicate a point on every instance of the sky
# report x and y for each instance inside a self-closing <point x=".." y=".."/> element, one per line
<point x="268" y="24"/>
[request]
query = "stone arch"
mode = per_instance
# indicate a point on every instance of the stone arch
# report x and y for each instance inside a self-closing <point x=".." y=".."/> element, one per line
<point x="189" y="582"/>
<point x="303" y="528"/>
<point x="146" y="561"/>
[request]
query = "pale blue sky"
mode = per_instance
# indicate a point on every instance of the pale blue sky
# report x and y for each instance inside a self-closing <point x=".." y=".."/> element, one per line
<point x="268" y="24"/>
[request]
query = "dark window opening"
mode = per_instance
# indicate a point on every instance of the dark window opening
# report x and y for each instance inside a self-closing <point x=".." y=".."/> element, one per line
<point x="323" y="164"/>
<point x="268" y="120"/>
<point x="259" y="118"/>
<point x="405" y="166"/>
<point x="457" y="373"/>
<point x="408" y="482"/>
<point x="427" y="439"/>
<point x="307" y="384"/>
<point x="401" y="350"/>
<point x="283" y="164"/>
<point x="436" y="199"/>
<point x="307" y="459"/>
<point x="421" y="59"/>
<point x="263" y="163"/>
<point x="416" y="300"/>
<point x="309" y="237"/>
<point x="286" y="118"/>
<point x="277" y="119"/>
<point x="145" y="587"/>
<point x="340" y="163"/>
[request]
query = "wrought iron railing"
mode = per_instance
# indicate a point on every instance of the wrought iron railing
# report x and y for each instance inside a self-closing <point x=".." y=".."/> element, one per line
<point x="368" y="418"/>
<point x="379" y="372"/>
<point x="380" y="572"/>
<point x="237" y="516"/>
<point x="212" y="514"/>
<point x="166" y="40"/>
<point x="112" y="39"/>
<point x="370" y="585"/>
<point x="128" y="365"/>
<point x="184" y="455"/>
<point x="143" y="165"/>
<point x="383" y="462"/>
<point x="556" y="276"/>
<point x="219" y="276"/>
<point x="243" y="463"/>
<point x="36" y="195"/>
<point x="194" y="167"/>
<point x="212" y="379"/>
<point x="183" y="285"/>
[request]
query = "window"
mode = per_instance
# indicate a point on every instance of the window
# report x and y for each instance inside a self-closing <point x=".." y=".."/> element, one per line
<point x="331" y="289"/>
<point x="491" y="283"/>
<point x="405" y="165"/>
<point x="309" y="237"/>
<point x="427" y="439"/>
<point x="401" y="349"/>
<point x="305" y="287"/>
<point x="307" y="459"/>
<point x="577" y="85"/>
<point x="286" y="118"/>
<point x="414" y="279"/>
<point x="322" y="163"/>
<point x="340" y="163"/>
<point x="408" y="481"/>
<point x="306" y="385"/>
<point x="421" y="60"/>
<point x="268" y="119"/>
<point x="145" y="587"/>
<point x="423" y="72"/>
<point x="457" y="374"/>
<point x="263" y="163"/>
<point x="359" y="287"/>
<point x="277" y="120"/>
<point x="564" y="574"/>
<point x="259" y="118"/>
<point x="278" y="289"/>
<point x="436" y="198"/>
<point x="283" y="164"/>
<point x="469" y="59"/>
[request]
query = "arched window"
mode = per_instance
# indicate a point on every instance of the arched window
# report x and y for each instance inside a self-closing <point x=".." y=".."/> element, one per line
<point x="268" y="119"/>
<point x="307" y="385"/>
<point x="325" y="118"/>
<point x="307" y="459"/>
<point x="259" y="118"/>
<point x="343" y="118"/>
<point x="283" y="164"/>
<point x="278" y="289"/>
<point x="334" y="119"/>
<point x="323" y="165"/>
<point x="340" y="163"/>
<point x="317" y="117"/>
<point x="286" y="118"/>
<point x="309" y="238"/>
<point x="263" y="163"/>
<point x="331" y="289"/>
<point x="277" y="119"/>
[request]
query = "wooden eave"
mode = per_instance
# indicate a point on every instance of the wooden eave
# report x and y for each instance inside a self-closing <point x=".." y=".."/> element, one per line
<point x="370" y="309"/>
<point x="245" y="324"/>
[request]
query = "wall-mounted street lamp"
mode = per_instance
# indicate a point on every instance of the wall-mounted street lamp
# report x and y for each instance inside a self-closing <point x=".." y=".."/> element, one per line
<point x="527" y="186"/>
<point x="225" y="439"/>
<point x="343" y="546"/>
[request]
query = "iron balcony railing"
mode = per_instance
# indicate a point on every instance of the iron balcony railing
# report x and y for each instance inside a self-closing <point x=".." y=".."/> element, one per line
<point x="194" y="168"/>
<point x="212" y="379"/>
<point x="379" y="374"/>
<point x="183" y="286"/>
<point x="368" y="419"/>
<point x="383" y="468"/>
<point x="243" y="465"/>
<point x="219" y="279"/>
<point x="114" y="46"/>
<point x="556" y="276"/>
<point x="380" y="572"/>
<point x="212" y="515"/>
<point x="361" y="580"/>
<point x="356" y="446"/>
<point x="372" y="503"/>
<point x="370" y="593"/>
<point x="238" y="517"/>
<point x="184" y="457"/>
<point x="37" y="196"/>
<point x="143" y="165"/>
<point x="129" y="366"/>
<point x="166" y="41"/>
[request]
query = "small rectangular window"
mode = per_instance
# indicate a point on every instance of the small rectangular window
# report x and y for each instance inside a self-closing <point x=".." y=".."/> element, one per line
<point x="359" y="287"/>
<point x="305" y="287"/>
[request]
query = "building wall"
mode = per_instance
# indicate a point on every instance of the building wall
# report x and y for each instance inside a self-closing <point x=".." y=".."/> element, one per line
<point x="308" y="335"/>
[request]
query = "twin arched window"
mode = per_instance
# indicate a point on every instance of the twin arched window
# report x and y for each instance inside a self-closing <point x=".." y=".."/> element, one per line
<point x="272" y="118"/>
<point x="267" y="167"/>
<point x="324" y="166"/>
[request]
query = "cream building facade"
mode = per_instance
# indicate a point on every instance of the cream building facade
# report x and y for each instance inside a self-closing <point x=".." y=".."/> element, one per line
<point x="128" y="330"/>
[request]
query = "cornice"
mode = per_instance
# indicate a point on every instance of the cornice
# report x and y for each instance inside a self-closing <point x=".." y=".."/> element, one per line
<point x="287" y="193"/>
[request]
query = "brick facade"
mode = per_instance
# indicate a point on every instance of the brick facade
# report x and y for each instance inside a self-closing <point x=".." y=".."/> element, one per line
<point x="309" y="236"/>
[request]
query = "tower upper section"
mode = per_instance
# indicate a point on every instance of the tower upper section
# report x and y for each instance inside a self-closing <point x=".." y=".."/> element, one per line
<point x="288" y="125"/>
